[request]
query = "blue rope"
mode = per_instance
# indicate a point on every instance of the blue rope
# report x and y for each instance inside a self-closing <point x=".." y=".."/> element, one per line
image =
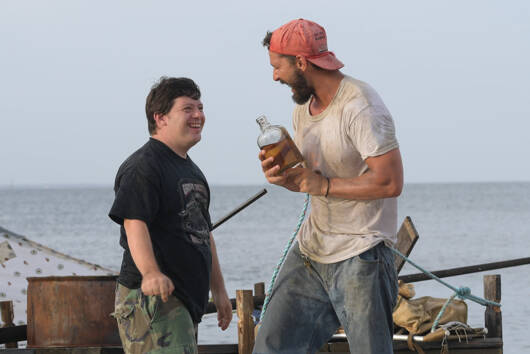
<point x="442" y="311"/>
<point x="282" y="259"/>
<point x="462" y="292"/>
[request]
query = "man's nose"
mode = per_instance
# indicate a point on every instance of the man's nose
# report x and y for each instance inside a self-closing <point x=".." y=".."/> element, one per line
<point x="275" y="76"/>
<point x="198" y="113"/>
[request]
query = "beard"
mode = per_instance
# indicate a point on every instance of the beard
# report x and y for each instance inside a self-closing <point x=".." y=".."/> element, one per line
<point x="302" y="92"/>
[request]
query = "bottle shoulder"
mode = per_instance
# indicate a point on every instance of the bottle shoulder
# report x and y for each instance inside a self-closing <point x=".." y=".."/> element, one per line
<point x="271" y="134"/>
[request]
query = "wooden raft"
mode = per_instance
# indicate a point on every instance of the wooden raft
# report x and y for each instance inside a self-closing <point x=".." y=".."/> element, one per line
<point x="407" y="238"/>
<point x="247" y="300"/>
<point x="492" y="344"/>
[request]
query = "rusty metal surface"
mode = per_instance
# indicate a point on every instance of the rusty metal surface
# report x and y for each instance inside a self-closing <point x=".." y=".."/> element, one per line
<point x="76" y="278"/>
<point x="71" y="312"/>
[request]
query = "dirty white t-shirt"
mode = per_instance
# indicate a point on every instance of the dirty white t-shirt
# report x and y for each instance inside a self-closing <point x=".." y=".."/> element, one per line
<point x="356" y="125"/>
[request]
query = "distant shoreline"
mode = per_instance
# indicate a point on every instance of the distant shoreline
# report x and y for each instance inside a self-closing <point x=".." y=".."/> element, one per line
<point x="109" y="186"/>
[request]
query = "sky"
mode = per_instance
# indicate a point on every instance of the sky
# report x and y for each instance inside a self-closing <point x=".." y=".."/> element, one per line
<point x="74" y="76"/>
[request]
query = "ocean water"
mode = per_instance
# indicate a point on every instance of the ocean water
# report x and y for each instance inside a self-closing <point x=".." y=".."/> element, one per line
<point x="459" y="225"/>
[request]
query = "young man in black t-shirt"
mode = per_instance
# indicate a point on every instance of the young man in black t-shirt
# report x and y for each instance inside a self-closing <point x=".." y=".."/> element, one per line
<point x="169" y="260"/>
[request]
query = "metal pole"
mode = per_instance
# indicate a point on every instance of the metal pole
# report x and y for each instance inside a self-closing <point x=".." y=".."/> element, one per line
<point x="410" y="278"/>
<point x="239" y="208"/>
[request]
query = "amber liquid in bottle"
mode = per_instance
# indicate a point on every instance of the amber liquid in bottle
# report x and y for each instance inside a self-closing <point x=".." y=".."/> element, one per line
<point x="277" y="143"/>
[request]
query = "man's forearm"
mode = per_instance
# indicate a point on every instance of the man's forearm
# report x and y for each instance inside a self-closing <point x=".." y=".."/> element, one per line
<point x="140" y="246"/>
<point x="365" y="187"/>
<point x="217" y="283"/>
<point x="384" y="179"/>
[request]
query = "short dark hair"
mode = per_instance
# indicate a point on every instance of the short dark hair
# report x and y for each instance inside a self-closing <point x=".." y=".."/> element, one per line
<point x="164" y="93"/>
<point x="267" y="40"/>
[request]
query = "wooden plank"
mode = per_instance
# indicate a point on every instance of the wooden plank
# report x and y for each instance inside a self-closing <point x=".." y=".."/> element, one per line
<point x="259" y="289"/>
<point x="493" y="315"/>
<point x="203" y="349"/>
<point x="471" y="346"/>
<point x="453" y="351"/>
<point x="6" y="308"/>
<point x="407" y="237"/>
<point x="245" y="324"/>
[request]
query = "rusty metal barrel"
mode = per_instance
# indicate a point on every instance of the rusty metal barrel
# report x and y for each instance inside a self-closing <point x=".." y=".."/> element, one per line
<point x="71" y="311"/>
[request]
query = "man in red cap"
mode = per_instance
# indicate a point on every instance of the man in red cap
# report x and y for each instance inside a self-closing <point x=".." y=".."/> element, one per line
<point x="340" y="272"/>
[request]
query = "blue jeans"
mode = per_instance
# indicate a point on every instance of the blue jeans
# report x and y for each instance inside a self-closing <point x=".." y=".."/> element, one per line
<point x="310" y="300"/>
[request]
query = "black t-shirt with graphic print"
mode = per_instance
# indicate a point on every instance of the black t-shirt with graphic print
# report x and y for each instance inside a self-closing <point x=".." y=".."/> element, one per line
<point x="171" y="195"/>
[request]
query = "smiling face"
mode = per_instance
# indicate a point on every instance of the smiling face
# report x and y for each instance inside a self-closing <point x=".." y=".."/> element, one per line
<point x="286" y="72"/>
<point x="181" y="127"/>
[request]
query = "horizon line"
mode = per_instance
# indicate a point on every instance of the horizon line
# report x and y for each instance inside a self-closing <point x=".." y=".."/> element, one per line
<point x="108" y="185"/>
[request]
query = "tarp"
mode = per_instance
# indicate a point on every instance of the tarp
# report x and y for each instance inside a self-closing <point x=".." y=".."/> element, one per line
<point x="21" y="258"/>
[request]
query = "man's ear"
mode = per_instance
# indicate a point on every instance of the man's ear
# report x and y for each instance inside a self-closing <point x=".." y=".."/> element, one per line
<point x="160" y="119"/>
<point x="301" y="63"/>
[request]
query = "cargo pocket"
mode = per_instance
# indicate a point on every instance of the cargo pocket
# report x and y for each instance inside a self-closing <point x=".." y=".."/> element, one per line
<point x="133" y="328"/>
<point x="123" y="312"/>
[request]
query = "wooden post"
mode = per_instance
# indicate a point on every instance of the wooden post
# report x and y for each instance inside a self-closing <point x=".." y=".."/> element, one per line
<point x="245" y="325"/>
<point x="6" y="307"/>
<point x="259" y="289"/>
<point x="493" y="315"/>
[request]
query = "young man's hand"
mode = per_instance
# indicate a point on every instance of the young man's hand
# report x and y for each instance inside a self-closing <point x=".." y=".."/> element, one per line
<point x="224" y="310"/>
<point x="156" y="283"/>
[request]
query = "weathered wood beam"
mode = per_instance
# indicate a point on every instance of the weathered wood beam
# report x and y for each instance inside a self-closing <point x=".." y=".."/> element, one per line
<point x="407" y="237"/>
<point x="493" y="315"/>
<point x="245" y="324"/>
<point x="6" y="308"/>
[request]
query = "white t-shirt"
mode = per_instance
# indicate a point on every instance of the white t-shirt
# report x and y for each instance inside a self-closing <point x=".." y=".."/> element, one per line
<point x="355" y="125"/>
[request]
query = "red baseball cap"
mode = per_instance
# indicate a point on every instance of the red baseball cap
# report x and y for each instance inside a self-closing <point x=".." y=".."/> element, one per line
<point x="306" y="38"/>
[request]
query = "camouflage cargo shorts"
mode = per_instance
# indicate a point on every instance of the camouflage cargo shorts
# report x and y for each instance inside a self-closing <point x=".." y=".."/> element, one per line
<point x="149" y="325"/>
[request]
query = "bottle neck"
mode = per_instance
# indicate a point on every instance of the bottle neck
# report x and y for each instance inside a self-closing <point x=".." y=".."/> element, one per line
<point x="263" y="122"/>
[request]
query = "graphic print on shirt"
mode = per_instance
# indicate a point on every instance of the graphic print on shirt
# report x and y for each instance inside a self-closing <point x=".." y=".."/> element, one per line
<point x="194" y="221"/>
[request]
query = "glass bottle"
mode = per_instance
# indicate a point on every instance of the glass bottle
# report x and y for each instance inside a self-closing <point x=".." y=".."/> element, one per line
<point x="276" y="142"/>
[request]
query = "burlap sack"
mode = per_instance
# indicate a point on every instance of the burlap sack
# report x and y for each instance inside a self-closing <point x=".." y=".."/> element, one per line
<point x="417" y="315"/>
